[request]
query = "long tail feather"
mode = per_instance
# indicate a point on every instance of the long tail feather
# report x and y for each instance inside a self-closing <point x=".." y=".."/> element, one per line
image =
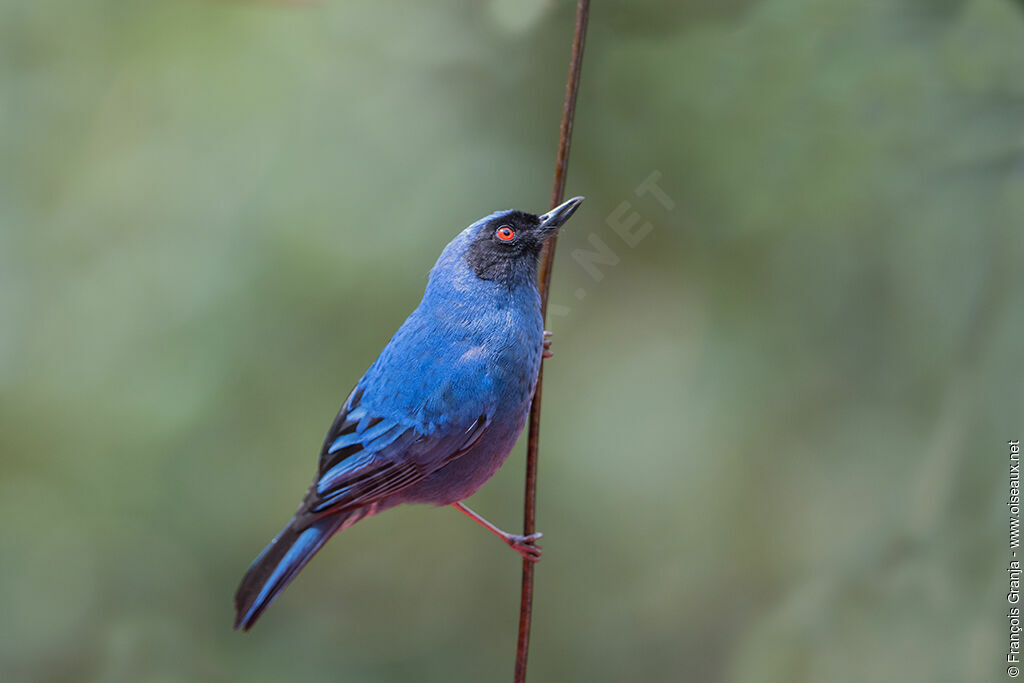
<point x="278" y="564"/>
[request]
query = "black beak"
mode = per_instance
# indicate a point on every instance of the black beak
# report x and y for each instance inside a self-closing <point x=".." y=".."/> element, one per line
<point x="554" y="218"/>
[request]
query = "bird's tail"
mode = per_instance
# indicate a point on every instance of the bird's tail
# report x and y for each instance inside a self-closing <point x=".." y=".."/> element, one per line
<point x="279" y="563"/>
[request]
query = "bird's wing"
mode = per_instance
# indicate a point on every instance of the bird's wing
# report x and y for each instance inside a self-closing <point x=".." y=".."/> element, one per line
<point x="366" y="457"/>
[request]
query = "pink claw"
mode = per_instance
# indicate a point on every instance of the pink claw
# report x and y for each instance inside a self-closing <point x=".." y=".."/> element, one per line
<point x="547" y="345"/>
<point x="525" y="546"/>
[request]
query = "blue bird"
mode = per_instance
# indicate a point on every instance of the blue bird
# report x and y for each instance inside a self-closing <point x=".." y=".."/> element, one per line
<point x="440" y="409"/>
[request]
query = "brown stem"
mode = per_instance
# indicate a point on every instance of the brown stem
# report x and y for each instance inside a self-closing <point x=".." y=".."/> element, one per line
<point x="547" y="259"/>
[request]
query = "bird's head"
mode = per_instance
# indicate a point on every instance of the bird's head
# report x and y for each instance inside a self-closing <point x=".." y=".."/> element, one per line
<point x="505" y="245"/>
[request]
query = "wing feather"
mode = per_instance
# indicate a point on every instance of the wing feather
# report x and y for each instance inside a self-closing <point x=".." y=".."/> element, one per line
<point x="367" y="457"/>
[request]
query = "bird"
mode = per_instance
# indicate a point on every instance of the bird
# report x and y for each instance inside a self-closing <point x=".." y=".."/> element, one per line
<point x="440" y="409"/>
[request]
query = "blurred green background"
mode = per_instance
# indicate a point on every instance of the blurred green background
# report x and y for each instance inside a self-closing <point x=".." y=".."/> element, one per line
<point x="774" y="429"/>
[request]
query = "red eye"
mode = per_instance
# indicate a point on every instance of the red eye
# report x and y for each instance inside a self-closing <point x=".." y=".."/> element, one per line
<point x="505" y="233"/>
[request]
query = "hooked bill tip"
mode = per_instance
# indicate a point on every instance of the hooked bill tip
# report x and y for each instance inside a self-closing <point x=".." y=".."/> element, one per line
<point x="561" y="213"/>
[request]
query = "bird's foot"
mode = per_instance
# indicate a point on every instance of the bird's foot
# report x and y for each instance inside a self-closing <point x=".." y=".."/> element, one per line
<point x="525" y="545"/>
<point x="547" y="344"/>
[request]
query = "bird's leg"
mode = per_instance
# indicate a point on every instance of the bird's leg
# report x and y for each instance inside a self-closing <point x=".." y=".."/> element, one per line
<point x="547" y="344"/>
<point x="524" y="545"/>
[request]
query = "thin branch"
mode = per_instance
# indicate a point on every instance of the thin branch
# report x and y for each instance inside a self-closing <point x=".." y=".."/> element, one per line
<point x="547" y="260"/>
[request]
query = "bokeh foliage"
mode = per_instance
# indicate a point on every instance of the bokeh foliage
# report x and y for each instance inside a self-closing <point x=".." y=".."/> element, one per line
<point x="773" y="443"/>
